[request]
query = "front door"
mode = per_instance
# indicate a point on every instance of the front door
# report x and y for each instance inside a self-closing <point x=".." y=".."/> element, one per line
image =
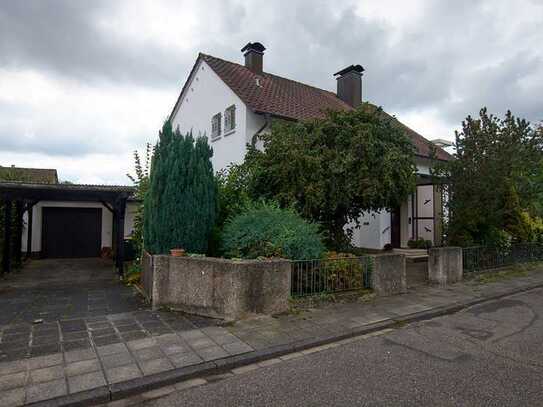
<point x="395" y="228"/>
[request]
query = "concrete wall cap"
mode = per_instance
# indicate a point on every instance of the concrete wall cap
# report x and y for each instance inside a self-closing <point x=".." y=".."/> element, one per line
<point x="227" y="261"/>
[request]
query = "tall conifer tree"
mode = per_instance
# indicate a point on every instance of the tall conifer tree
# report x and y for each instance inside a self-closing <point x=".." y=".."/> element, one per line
<point x="180" y="206"/>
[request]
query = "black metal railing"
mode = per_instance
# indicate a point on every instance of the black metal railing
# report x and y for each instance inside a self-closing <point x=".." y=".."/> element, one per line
<point x="324" y="276"/>
<point x="478" y="258"/>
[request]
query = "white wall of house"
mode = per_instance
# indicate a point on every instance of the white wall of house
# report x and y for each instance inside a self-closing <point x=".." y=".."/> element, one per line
<point x="107" y="219"/>
<point x="374" y="230"/>
<point x="206" y="95"/>
<point x="255" y="123"/>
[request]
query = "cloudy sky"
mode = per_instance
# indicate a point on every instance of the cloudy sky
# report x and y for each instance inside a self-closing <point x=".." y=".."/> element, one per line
<point x="83" y="83"/>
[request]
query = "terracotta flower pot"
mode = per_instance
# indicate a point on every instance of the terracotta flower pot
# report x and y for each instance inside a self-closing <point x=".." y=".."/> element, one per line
<point x="177" y="252"/>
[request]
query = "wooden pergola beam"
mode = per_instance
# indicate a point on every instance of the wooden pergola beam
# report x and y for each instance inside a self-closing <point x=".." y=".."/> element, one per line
<point x="119" y="216"/>
<point x="17" y="246"/>
<point x="30" y="220"/>
<point x="6" y="250"/>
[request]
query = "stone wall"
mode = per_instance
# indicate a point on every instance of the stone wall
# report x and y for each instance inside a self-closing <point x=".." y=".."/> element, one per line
<point x="220" y="288"/>
<point x="388" y="275"/>
<point x="147" y="274"/>
<point x="445" y="265"/>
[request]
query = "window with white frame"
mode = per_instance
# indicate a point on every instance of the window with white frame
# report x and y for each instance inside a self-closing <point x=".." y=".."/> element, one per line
<point x="216" y="126"/>
<point x="230" y="118"/>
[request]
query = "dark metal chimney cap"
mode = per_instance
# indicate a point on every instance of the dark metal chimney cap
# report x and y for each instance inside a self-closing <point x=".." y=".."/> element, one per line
<point x="355" y="68"/>
<point x="254" y="46"/>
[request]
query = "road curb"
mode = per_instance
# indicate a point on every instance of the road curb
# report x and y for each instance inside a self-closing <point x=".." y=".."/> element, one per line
<point x="132" y="387"/>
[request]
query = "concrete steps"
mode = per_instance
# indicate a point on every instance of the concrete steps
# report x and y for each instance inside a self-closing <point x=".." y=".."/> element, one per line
<point x="413" y="254"/>
<point x="416" y="267"/>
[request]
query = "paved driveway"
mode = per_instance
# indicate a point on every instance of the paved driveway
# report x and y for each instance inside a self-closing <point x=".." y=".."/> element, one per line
<point x="55" y="306"/>
<point x="68" y="326"/>
<point x="55" y="289"/>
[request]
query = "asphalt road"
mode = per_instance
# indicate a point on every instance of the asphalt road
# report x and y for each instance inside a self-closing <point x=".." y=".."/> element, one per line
<point x="489" y="355"/>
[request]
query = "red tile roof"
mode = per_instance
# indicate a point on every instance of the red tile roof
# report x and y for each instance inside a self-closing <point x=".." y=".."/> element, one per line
<point x="281" y="97"/>
<point x="273" y="94"/>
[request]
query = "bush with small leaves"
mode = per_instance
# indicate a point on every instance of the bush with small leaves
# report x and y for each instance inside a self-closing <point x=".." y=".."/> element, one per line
<point x="266" y="230"/>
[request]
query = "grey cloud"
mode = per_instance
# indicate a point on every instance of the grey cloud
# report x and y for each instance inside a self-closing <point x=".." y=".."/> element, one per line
<point x="64" y="38"/>
<point x="454" y="59"/>
<point x="431" y="64"/>
<point x="26" y="130"/>
<point x="500" y="88"/>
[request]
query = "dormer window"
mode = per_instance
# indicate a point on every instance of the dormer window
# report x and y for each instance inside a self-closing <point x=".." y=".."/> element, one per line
<point x="230" y="119"/>
<point x="216" y="126"/>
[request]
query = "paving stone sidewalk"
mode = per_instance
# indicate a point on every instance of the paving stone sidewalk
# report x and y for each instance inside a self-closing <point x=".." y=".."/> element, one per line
<point x="94" y="363"/>
<point x="171" y="340"/>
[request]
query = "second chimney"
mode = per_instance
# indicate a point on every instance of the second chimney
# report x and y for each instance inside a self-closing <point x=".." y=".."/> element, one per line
<point x="349" y="85"/>
<point x="254" y="55"/>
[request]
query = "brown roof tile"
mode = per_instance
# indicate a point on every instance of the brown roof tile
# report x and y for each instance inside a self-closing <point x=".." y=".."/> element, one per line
<point x="272" y="94"/>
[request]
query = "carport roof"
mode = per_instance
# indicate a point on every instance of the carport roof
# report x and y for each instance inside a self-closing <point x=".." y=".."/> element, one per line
<point x="58" y="192"/>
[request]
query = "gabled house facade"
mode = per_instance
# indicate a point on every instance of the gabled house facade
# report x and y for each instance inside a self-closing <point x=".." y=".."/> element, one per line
<point x="231" y="104"/>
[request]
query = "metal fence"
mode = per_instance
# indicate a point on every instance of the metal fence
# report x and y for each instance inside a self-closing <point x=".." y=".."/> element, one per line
<point x="483" y="257"/>
<point x="310" y="277"/>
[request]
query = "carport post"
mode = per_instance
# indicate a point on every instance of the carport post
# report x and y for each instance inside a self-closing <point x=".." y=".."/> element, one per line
<point x="30" y="210"/>
<point x="120" y="208"/>
<point x="17" y="247"/>
<point x="6" y="255"/>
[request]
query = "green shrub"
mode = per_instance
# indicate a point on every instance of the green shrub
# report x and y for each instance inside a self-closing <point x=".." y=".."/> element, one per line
<point x="499" y="239"/>
<point x="420" y="243"/>
<point x="344" y="271"/>
<point x="265" y="230"/>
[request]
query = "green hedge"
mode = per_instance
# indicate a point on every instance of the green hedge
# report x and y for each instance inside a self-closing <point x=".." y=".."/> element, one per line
<point x="420" y="243"/>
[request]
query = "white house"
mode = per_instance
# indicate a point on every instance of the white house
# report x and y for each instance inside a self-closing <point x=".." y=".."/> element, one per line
<point x="231" y="104"/>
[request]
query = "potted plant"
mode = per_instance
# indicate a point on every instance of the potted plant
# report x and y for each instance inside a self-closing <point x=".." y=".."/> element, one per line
<point x="177" y="252"/>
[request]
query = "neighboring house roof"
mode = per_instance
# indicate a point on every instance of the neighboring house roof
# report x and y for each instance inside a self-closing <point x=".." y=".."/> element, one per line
<point x="288" y="99"/>
<point x="32" y="175"/>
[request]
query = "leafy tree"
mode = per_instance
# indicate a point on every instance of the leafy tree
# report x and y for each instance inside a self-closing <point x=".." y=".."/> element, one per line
<point x="233" y="192"/>
<point x="332" y="170"/>
<point x="140" y="179"/>
<point x="180" y="205"/>
<point x="492" y="183"/>
<point x="232" y="199"/>
<point x="538" y="202"/>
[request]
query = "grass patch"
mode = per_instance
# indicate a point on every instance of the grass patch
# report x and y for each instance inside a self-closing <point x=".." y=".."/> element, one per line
<point x="299" y="304"/>
<point x="132" y="273"/>
<point x="506" y="273"/>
